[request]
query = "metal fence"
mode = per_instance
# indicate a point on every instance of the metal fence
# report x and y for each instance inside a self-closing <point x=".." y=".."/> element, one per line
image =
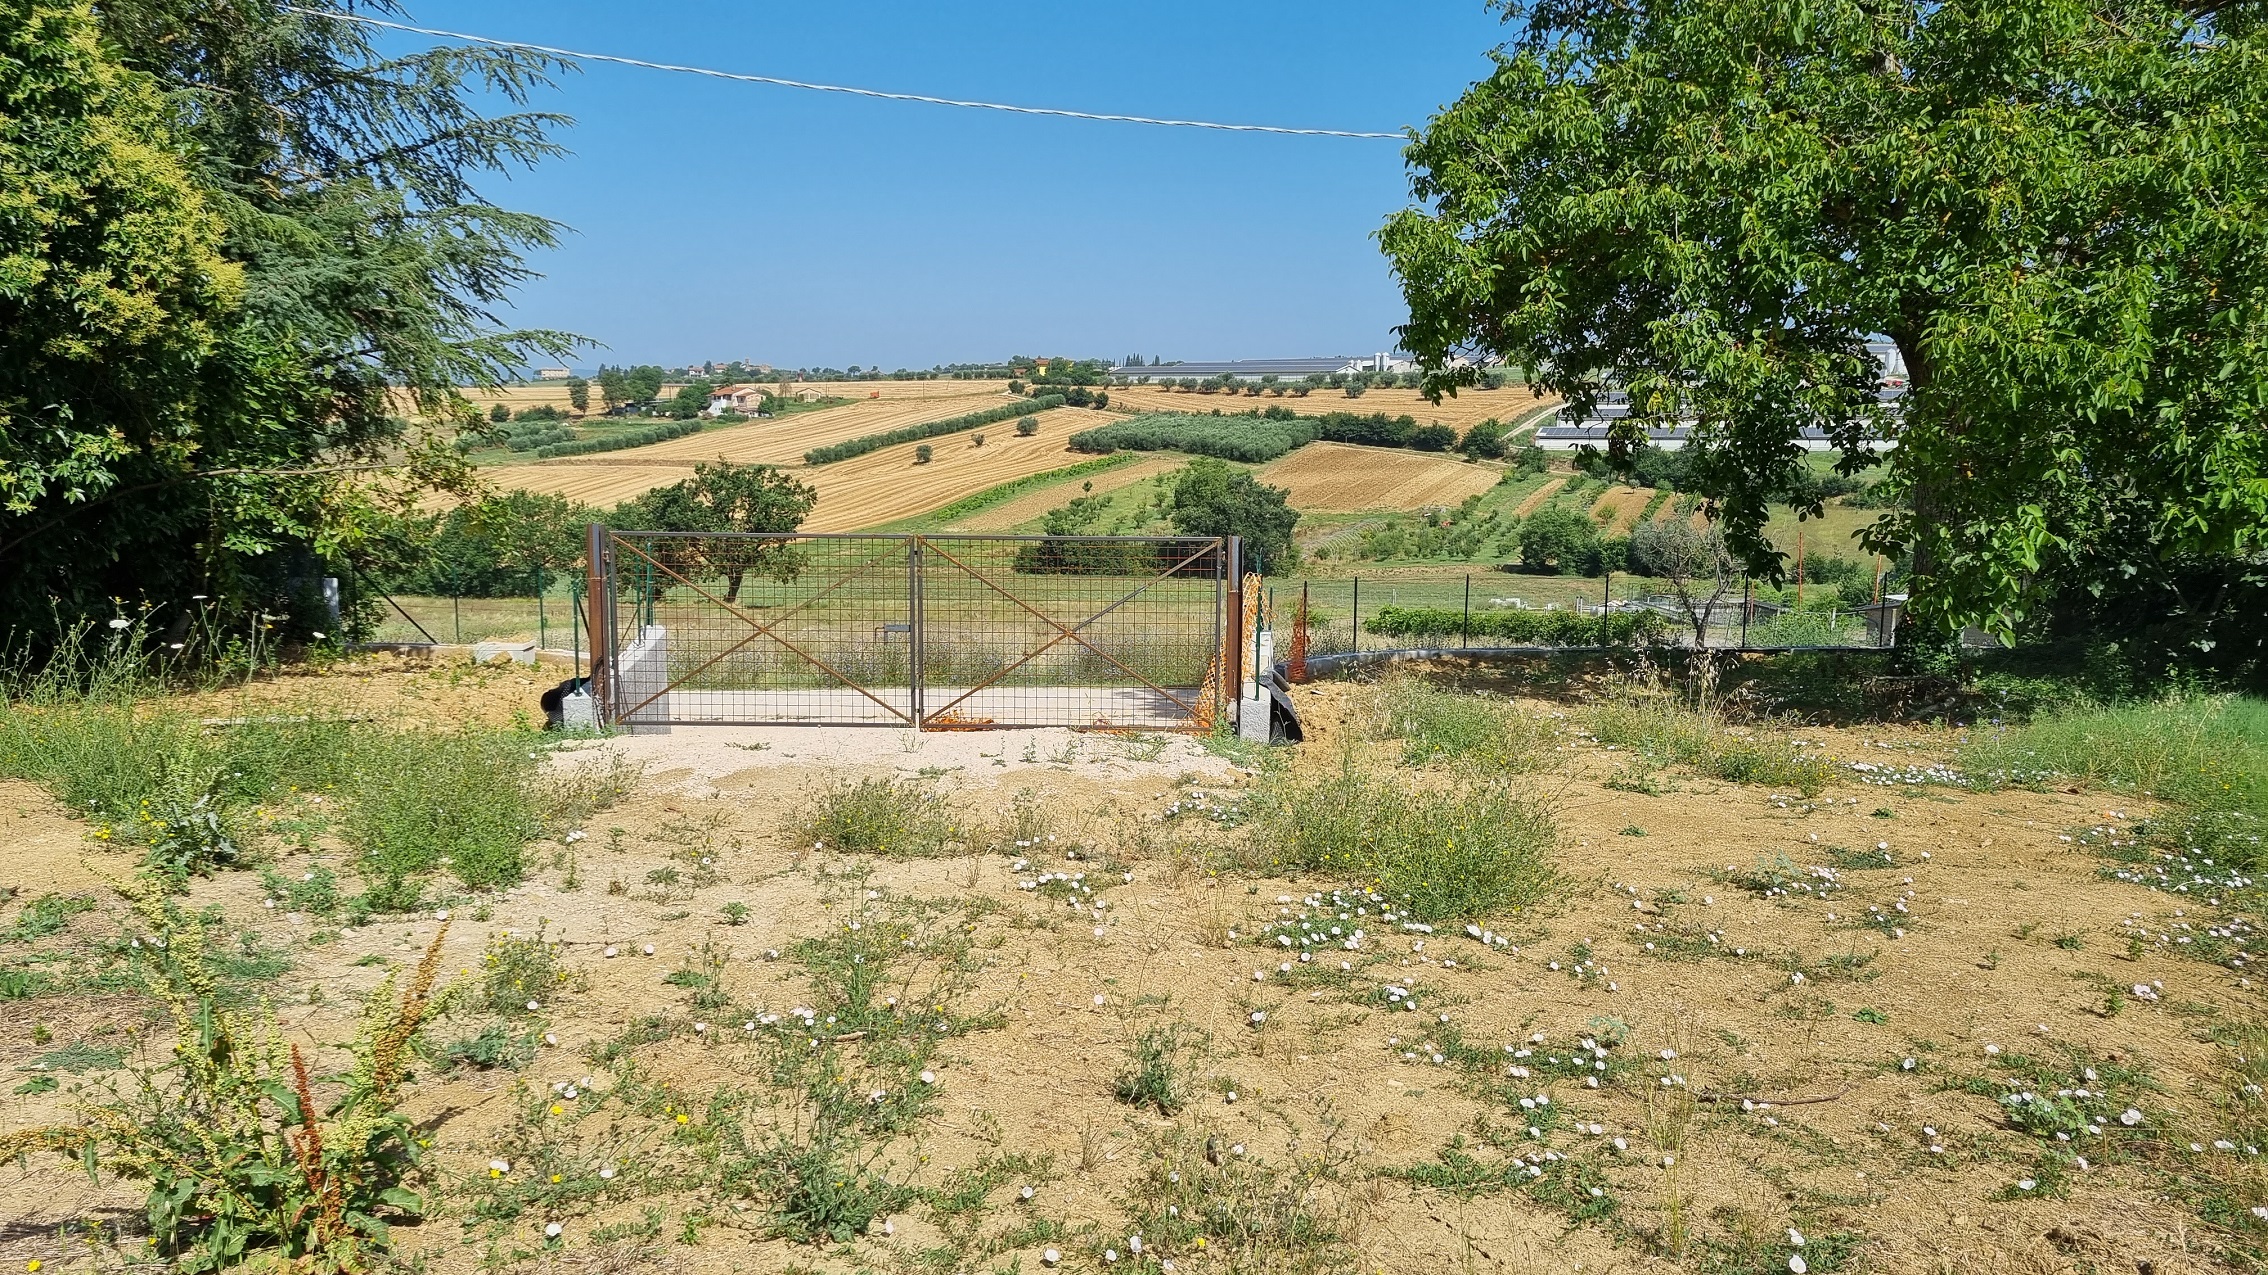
<point x="928" y="632"/>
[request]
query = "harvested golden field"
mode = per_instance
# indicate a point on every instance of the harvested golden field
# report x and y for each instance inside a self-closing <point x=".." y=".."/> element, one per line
<point x="1535" y="499"/>
<point x="1034" y="505"/>
<point x="887" y="485"/>
<point x="1617" y="508"/>
<point x="1506" y="405"/>
<point x="612" y="477"/>
<point x="1342" y="477"/>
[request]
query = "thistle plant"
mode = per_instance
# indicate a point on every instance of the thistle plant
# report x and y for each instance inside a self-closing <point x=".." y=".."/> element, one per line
<point x="238" y="1152"/>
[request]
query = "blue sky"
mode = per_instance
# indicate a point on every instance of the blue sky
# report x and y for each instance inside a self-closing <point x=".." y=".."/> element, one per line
<point x="713" y="220"/>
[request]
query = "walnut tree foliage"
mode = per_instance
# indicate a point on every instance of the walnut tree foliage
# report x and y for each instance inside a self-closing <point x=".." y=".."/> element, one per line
<point x="238" y="245"/>
<point x="2053" y="207"/>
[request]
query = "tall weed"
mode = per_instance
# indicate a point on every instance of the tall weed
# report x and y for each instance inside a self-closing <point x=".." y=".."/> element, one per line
<point x="238" y="1155"/>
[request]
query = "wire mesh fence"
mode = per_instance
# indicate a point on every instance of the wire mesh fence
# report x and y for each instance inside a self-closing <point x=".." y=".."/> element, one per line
<point x="932" y="632"/>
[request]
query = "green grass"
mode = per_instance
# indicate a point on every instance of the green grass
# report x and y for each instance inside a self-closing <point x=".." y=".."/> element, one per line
<point x="2208" y="753"/>
<point x="183" y="792"/>
<point x="1480" y="848"/>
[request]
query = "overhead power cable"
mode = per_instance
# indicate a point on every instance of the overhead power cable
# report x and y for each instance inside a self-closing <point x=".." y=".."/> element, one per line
<point x="836" y="88"/>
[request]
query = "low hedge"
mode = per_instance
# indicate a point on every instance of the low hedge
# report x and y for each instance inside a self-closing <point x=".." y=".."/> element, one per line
<point x="627" y="438"/>
<point x="915" y="433"/>
<point x="1522" y="628"/>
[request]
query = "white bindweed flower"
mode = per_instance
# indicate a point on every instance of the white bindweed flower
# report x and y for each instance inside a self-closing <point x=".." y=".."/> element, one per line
<point x="551" y="1230"/>
<point x="606" y="1174"/>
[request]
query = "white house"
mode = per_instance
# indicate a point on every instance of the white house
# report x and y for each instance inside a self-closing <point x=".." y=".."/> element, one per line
<point x="744" y="399"/>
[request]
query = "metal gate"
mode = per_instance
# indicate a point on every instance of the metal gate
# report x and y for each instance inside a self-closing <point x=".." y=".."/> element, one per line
<point x="927" y="632"/>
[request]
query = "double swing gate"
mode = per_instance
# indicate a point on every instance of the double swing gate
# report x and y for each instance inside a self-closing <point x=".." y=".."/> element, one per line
<point x="926" y="632"/>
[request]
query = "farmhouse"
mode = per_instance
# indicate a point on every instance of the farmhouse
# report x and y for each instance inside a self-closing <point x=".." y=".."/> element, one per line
<point x="744" y="399"/>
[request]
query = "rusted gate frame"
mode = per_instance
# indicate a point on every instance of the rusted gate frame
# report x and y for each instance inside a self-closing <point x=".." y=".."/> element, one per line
<point x="760" y="630"/>
<point x="1063" y="633"/>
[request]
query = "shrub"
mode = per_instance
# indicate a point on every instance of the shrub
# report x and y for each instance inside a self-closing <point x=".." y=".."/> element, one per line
<point x="900" y="818"/>
<point x="1484" y="441"/>
<point x="1480" y="849"/>
<point x="860" y="446"/>
<point x="1432" y="438"/>
<point x="1155" y="1072"/>
<point x="1026" y="427"/>
<point x="1558" y="539"/>
<point x="923" y="454"/>
<point x="621" y="441"/>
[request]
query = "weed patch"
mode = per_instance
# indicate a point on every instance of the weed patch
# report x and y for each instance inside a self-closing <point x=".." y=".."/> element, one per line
<point x="897" y="818"/>
<point x="1477" y="850"/>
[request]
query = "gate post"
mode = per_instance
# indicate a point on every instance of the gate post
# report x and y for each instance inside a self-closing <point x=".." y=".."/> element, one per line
<point x="599" y="601"/>
<point x="915" y="700"/>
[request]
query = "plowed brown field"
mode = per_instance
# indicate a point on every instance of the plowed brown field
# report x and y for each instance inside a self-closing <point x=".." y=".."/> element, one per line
<point x="1536" y="498"/>
<point x="1506" y="405"/>
<point x="1344" y="477"/>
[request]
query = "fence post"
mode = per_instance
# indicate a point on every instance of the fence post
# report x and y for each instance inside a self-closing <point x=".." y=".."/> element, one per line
<point x="599" y="597"/>
<point x="914" y="703"/>
<point x="538" y="608"/>
<point x="1747" y="607"/>
<point x="456" y="615"/>
<point x="1358" y="615"/>
<point x="1465" y="636"/>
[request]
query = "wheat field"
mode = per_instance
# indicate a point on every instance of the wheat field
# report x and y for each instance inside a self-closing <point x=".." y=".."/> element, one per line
<point x="1343" y="477"/>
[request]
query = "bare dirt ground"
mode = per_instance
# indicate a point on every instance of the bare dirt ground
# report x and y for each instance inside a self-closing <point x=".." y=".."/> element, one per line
<point x="1743" y="1102"/>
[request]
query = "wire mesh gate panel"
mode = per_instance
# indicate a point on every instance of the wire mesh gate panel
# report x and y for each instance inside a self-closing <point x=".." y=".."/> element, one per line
<point x="929" y="632"/>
